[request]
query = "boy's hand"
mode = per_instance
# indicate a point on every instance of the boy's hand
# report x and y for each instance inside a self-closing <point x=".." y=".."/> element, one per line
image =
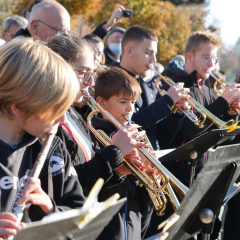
<point x="183" y="104"/>
<point x="231" y="93"/>
<point x="34" y="194"/>
<point x="149" y="168"/>
<point x="234" y="105"/>
<point x="135" y="159"/>
<point x="126" y="139"/>
<point x="177" y="91"/>
<point x="8" y="225"/>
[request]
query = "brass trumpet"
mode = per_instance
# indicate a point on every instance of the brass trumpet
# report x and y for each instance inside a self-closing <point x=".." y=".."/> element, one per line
<point x="230" y="125"/>
<point x="224" y="84"/>
<point x="156" y="190"/>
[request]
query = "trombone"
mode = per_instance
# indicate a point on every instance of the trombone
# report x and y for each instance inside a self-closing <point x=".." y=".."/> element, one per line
<point x="156" y="191"/>
<point x="224" y="84"/>
<point x="230" y="125"/>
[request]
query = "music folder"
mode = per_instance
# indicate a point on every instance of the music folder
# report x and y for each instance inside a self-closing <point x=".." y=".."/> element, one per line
<point x="77" y="224"/>
<point x="207" y="192"/>
<point x="65" y="225"/>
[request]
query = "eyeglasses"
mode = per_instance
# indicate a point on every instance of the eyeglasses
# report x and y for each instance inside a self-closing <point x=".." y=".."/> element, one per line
<point x="11" y="35"/>
<point x="207" y="59"/>
<point x="86" y="75"/>
<point x="59" y="31"/>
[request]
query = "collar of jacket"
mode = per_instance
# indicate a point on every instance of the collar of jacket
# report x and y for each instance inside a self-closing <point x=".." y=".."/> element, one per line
<point x="116" y="64"/>
<point x="189" y="79"/>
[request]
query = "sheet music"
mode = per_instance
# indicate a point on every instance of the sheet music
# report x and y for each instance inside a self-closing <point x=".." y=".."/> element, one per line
<point x="163" y="152"/>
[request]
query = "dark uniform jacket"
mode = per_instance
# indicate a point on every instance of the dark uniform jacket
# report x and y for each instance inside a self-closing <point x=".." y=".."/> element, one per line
<point x="58" y="177"/>
<point x="206" y="96"/>
<point x="127" y="223"/>
<point x="102" y="163"/>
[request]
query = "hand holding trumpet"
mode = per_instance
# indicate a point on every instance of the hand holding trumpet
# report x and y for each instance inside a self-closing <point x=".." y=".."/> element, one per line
<point x="179" y="95"/>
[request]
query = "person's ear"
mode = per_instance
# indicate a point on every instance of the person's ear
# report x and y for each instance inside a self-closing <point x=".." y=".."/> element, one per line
<point x="4" y="35"/>
<point x="34" y="27"/>
<point x="189" y="57"/>
<point x="129" y="51"/>
<point x="16" y="112"/>
<point x="101" y="101"/>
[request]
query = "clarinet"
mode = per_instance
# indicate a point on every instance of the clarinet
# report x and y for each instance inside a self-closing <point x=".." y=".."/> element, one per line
<point x="16" y="208"/>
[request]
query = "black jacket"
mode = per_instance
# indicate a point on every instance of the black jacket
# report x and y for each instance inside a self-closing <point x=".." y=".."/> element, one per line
<point x="22" y="32"/>
<point x="100" y="166"/>
<point x="100" y="31"/>
<point x="138" y="201"/>
<point x="58" y="178"/>
<point x="206" y="97"/>
<point x="155" y="117"/>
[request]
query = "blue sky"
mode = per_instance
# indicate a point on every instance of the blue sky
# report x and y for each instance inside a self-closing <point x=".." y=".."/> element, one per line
<point x="227" y="12"/>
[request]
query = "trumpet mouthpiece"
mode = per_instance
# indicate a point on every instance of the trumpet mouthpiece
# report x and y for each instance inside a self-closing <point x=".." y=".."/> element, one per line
<point x="151" y="67"/>
<point x="86" y="93"/>
<point x="128" y="118"/>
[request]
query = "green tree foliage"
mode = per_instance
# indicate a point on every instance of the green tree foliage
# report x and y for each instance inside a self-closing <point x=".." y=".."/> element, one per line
<point x="171" y="24"/>
<point x="88" y="7"/>
<point x="5" y="11"/>
<point x="180" y="2"/>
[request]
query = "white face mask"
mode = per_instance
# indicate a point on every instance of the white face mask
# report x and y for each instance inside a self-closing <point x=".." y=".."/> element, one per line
<point x="115" y="48"/>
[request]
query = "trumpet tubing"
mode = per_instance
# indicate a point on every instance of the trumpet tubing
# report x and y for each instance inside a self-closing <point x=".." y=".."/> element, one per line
<point x="157" y="191"/>
<point x="204" y="113"/>
<point x="224" y="84"/>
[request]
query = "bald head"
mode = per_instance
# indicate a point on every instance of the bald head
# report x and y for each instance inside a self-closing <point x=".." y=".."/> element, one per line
<point x="48" y="13"/>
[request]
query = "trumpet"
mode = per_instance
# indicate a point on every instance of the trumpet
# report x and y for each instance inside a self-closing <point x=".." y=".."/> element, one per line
<point x="157" y="192"/>
<point x="223" y="84"/>
<point x="204" y="113"/>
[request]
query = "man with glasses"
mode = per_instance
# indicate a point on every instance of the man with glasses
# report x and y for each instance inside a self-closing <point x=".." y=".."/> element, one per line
<point x="12" y="25"/>
<point x="46" y="20"/>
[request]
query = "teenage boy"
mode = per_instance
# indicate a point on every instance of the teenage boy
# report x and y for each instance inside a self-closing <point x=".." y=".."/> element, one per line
<point x="116" y="91"/>
<point x="201" y="55"/>
<point x="36" y="88"/>
<point x="139" y="49"/>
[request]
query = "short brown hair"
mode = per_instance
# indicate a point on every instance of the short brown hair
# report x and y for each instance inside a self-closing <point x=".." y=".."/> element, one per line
<point x="113" y="81"/>
<point x="197" y="38"/>
<point x="137" y="34"/>
<point x="70" y="48"/>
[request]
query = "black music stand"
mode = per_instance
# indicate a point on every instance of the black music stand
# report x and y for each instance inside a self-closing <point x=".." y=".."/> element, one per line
<point x="198" y="146"/>
<point x="199" y="208"/>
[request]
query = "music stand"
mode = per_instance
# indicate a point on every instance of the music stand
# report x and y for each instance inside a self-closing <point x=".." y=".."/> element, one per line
<point x="65" y="227"/>
<point x="199" y="145"/>
<point x="199" y="208"/>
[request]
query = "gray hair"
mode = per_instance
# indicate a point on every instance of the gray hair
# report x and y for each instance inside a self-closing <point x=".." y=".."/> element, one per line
<point x="16" y="20"/>
<point x="179" y="58"/>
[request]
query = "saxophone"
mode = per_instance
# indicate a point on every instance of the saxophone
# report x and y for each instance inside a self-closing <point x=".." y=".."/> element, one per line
<point x="16" y="208"/>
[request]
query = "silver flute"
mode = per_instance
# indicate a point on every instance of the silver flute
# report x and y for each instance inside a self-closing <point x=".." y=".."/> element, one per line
<point x="16" y="208"/>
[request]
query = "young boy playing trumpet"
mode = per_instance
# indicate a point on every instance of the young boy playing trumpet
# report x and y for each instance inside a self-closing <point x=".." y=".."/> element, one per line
<point x="116" y="92"/>
<point x="36" y="88"/>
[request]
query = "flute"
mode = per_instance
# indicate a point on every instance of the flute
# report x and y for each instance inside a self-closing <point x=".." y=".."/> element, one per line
<point x="18" y="209"/>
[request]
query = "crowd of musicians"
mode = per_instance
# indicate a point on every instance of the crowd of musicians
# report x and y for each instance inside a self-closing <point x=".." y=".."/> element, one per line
<point x="46" y="74"/>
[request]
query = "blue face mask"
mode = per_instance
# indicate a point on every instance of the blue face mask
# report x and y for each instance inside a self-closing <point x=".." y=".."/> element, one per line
<point x="115" y="48"/>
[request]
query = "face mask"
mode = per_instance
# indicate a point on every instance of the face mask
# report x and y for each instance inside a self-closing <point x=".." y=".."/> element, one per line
<point x="115" y="48"/>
